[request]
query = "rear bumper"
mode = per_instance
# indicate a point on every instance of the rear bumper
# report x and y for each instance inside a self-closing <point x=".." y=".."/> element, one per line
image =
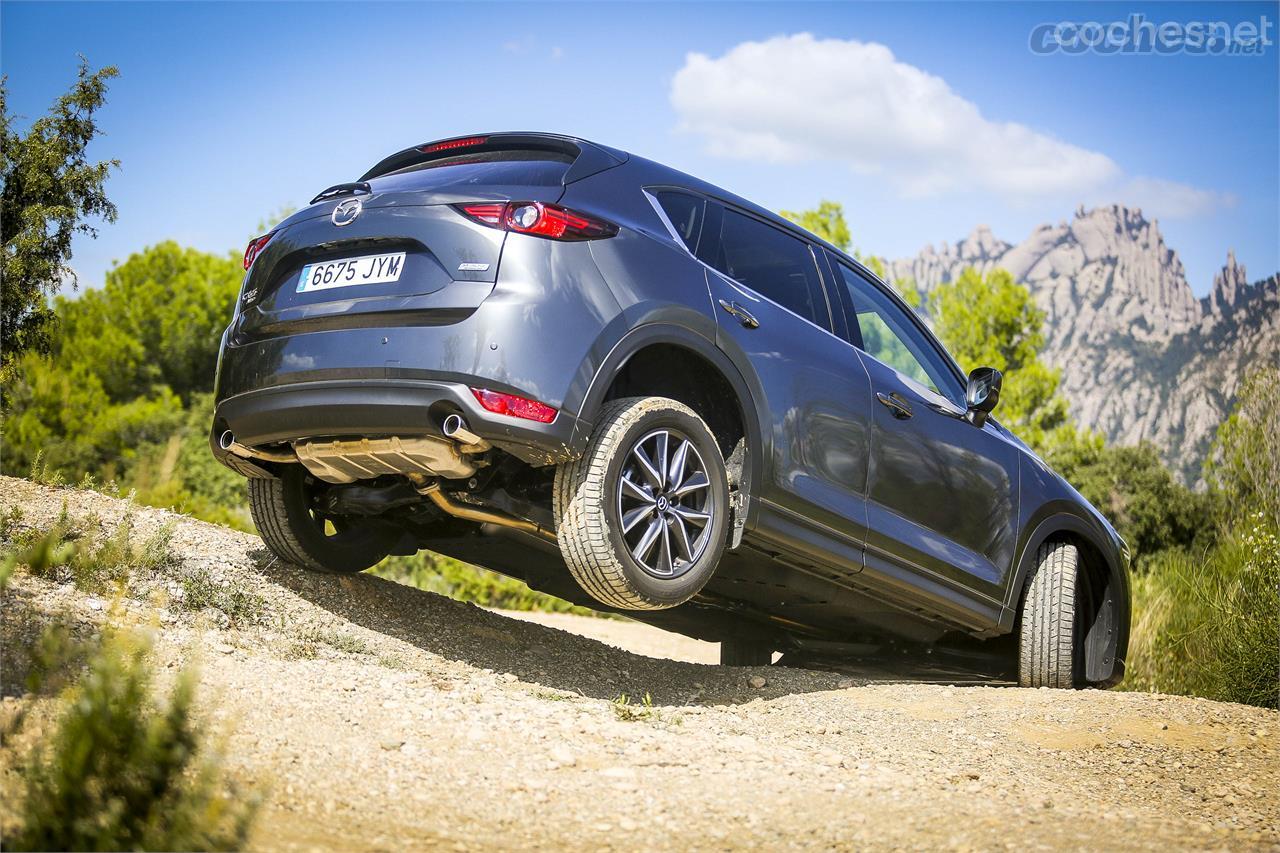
<point x="373" y="408"/>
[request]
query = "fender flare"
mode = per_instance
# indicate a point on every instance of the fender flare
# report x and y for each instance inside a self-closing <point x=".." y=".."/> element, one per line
<point x="749" y="403"/>
<point x="1109" y="669"/>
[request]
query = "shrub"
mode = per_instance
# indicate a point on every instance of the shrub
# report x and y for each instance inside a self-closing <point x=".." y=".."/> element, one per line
<point x="63" y="552"/>
<point x="1209" y="625"/>
<point x="201" y="591"/>
<point x="119" y="772"/>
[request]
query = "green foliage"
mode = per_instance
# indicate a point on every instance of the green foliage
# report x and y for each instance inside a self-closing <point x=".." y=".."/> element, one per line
<point x="1147" y="505"/>
<point x="126" y="390"/>
<point x="66" y="552"/>
<point x="447" y="576"/>
<point x="826" y="221"/>
<point x="992" y="321"/>
<point x="629" y="712"/>
<point x="120" y="772"/>
<point x="156" y="322"/>
<point x="49" y="191"/>
<point x="1206" y="623"/>
<point x="1244" y="464"/>
<point x="201" y="591"/>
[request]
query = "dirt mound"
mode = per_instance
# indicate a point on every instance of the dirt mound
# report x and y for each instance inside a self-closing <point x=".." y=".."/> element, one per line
<point x="383" y="717"/>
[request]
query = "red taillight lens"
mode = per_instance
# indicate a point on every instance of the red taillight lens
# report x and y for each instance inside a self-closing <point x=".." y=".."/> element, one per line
<point x="516" y="407"/>
<point x="539" y="219"/>
<point x="449" y="144"/>
<point x="489" y="214"/>
<point x="255" y="247"/>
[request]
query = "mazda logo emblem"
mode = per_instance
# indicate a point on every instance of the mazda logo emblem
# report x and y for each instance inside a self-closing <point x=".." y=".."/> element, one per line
<point x="346" y="211"/>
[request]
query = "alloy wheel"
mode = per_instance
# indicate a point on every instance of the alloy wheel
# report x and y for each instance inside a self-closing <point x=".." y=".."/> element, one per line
<point x="664" y="503"/>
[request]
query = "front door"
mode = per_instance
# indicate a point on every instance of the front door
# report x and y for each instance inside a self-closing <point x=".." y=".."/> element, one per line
<point x="942" y="493"/>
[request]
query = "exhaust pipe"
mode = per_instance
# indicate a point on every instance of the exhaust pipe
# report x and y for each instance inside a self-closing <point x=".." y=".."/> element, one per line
<point x="227" y="441"/>
<point x="455" y="427"/>
<point x="489" y="516"/>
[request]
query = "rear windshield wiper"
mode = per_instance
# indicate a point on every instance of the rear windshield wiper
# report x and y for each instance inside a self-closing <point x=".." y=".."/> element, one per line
<point x="343" y="189"/>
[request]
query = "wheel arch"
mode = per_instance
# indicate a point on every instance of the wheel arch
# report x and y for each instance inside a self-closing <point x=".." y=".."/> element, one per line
<point x="653" y="337"/>
<point x="1107" y="638"/>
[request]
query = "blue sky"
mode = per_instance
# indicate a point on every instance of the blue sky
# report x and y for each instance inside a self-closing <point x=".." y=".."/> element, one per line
<point x="906" y="113"/>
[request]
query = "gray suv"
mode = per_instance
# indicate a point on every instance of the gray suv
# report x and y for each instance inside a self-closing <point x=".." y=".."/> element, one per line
<point x="638" y="392"/>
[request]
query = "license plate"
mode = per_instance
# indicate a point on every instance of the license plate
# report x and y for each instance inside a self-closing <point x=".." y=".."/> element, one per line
<point x="366" y="269"/>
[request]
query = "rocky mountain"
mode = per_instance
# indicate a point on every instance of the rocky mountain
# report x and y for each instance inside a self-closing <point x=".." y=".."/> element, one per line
<point x="1141" y="357"/>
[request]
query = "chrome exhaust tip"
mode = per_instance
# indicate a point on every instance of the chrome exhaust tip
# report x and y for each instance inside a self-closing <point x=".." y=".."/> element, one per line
<point x="455" y="427"/>
<point x="227" y="441"/>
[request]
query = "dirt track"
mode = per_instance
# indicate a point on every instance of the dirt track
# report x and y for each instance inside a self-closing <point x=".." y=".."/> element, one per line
<point x="382" y="717"/>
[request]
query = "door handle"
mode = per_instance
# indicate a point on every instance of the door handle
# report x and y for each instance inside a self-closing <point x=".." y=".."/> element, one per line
<point x="896" y="404"/>
<point x="744" y="316"/>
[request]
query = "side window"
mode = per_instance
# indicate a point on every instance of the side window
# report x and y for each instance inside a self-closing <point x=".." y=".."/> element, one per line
<point x="889" y="335"/>
<point x="685" y="213"/>
<point x="773" y="264"/>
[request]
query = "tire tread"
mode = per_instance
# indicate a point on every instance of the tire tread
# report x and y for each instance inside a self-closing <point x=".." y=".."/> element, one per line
<point x="581" y="491"/>
<point x="1047" y="653"/>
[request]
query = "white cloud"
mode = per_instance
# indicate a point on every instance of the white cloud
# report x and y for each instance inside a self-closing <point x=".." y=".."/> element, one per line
<point x="1170" y="199"/>
<point x="797" y="98"/>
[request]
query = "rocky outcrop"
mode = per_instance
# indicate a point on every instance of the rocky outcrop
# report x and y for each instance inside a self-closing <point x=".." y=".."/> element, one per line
<point x="1141" y="357"/>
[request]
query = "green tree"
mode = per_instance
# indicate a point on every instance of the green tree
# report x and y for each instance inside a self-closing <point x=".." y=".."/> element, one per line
<point x="992" y="321"/>
<point x="1244" y="463"/>
<point x="50" y="191"/>
<point x="124" y="361"/>
<point x="1149" y="507"/>
<point x="157" y="320"/>
<point x="825" y="221"/>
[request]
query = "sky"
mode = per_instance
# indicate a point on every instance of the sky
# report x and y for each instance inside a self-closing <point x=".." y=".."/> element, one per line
<point x="923" y="119"/>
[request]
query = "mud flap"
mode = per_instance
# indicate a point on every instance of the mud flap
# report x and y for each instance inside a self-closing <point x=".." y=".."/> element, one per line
<point x="737" y="518"/>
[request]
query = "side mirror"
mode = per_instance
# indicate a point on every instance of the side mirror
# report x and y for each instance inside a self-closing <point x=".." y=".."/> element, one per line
<point x="982" y="394"/>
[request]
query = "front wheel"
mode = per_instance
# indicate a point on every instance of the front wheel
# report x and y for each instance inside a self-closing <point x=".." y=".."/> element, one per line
<point x="284" y="511"/>
<point x="1049" y="649"/>
<point x="642" y="516"/>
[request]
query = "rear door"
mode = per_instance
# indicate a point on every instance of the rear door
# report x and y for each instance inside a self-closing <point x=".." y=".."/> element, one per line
<point x="772" y="308"/>
<point x="942" y="493"/>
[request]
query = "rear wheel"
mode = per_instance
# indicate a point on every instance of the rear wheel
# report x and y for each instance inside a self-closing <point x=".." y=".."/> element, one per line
<point x="284" y="511"/>
<point x="1049" y="649"/>
<point x="642" y="516"/>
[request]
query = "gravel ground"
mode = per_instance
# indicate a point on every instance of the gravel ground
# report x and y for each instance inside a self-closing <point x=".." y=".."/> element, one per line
<point x="379" y="717"/>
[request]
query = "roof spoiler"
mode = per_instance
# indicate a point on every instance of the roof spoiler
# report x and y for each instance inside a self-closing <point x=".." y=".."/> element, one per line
<point x="588" y="158"/>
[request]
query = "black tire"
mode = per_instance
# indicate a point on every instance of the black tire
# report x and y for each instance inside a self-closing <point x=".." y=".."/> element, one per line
<point x="589" y="507"/>
<point x="745" y="653"/>
<point x="282" y="511"/>
<point x="1048" y="652"/>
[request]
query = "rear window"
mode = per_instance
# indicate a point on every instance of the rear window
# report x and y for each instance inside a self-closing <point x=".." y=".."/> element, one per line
<point x="772" y="263"/>
<point x="685" y="214"/>
<point x="522" y="168"/>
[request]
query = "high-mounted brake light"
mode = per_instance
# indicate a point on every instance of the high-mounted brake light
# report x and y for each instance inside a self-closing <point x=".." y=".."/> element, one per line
<point x="255" y="247"/>
<point x="539" y="220"/>
<point x="516" y="407"/>
<point x="449" y="144"/>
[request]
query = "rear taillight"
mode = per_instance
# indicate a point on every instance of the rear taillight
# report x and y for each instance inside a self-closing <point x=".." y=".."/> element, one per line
<point x="538" y="219"/>
<point x="255" y="247"/>
<point x="516" y="407"/>
<point x="450" y="144"/>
